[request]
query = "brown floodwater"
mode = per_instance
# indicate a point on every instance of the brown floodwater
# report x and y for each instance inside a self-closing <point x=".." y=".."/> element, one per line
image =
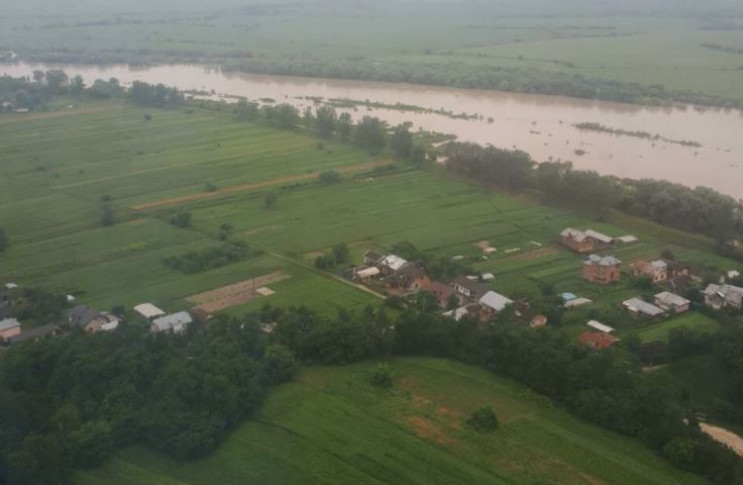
<point x="540" y="125"/>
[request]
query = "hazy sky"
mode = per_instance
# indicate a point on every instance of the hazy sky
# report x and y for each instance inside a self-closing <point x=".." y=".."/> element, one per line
<point x="55" y="7"/>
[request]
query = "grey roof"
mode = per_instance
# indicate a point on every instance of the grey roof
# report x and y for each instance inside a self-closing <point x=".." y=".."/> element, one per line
<point x="669" y="299"/>
<point x="9" y="323"/>
<point x="574" y="234"/>
<point x="35" y="333"/>
<point x="643" y="307"/>
<point x="599" y="236"/>
<point x="659" y="264"/>
<point x="477" y="289"/>
<point x="602" y="260"/>
<point x="494" y="300"/>
<point x="730" y="293"/>
<point x="373" y="255"/>
<point x="169" y="322"/>
<point x="81" y="315"/>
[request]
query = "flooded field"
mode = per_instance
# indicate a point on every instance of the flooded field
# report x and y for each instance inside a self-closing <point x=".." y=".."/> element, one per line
<point x="690" y="145"/>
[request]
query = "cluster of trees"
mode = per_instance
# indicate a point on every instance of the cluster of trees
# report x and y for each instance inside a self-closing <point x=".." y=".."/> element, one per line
<point x="607" y="388"/>
<point x="156" y="96"/>
<point x="211" y="258"/>
<point x="476" y="76"/>
<point x="700" y="210"/>
<point x="337" y="256"/>
<point x="70" y="401"/>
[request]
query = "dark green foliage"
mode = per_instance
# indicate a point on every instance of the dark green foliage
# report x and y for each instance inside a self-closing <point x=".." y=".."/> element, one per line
<point x="211" y="258"/>
<point x="325" y="261"/>
<point x="668" y="254"/>
<point x="329" y="177"/>
<point x="402" y="142"/>
<point x="225" y="231"/>
<point x="246" y="111"/>
<point x="281" y="364"/>
<point x="159" y="96"/>
<point x="381" y="376"/>
<point x="285" y="116"/>
<point x="4" y="240"/>
<point x="341" y="253"/>
<point x="72" y="400"/>
<point x="270" y="200"/>
<point x="326" y="121"/>
<point x="511" y="169"/>
<point x="483" y="420"/>
<point x="108" y="216"/>
<point x="181" y="219"/>
<point x="370" y="135"/>
<point x="345" y="126"/>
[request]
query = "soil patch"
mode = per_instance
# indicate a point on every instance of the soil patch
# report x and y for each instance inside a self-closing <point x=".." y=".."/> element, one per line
<point x="235" y="294"/>
<point x="539" y="253"/>
<point x="724" y="436"/>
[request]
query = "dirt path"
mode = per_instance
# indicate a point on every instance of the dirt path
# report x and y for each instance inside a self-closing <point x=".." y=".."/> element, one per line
<point x="724" y="436"/>
<point x="234" y="294"/>
<point x="245" y="187"/>
<point x="20" y="118"/>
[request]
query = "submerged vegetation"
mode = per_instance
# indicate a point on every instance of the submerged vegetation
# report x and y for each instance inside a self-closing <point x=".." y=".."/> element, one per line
<point x="636" y="134"/>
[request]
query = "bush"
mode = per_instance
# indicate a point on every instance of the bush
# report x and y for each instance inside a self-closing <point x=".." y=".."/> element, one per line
<point x="329" y="177"/>
<point x="483" y="420"/>
<point x="381" y="376"/>
<point x="181" y="219"/>
<point x="281" y="364"/>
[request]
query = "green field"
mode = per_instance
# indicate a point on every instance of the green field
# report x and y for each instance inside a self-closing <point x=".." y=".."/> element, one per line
<point x="333" y="427"/>
<point x="58" y="166"/>
<point x="693" y="320"/>
<point x="658" y="44"/>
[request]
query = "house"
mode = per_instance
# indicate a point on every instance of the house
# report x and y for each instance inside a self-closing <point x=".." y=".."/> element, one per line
<point x="365" y="273"/>
<point x="600" y="241"/>
<point x="601" y="269"/>
<point x="81" y="315"/>
<point x="35" y="333"/>
<point x="597" y="340"/>
<point x="585" y="242"/>
<point x="372" y="258"/>
<point x="175" y="323"/>
<point x="469" y="288"/>
<point x="442" y="292"/>
<point x="409" y="278"/>
<point x="9" y="328"/>
<point x="721" y="296"/>
<point x="676" y="269"/>
<point x="391" y="264"/>
<point x="656" y="270"/>
<point x="638" y="306"/>
<point x="103" y="322"/>
<point x="595" y="324"/>
<point x="149" y="311"/>
<point x="672" y="302"/>
<point x="493" y="303"/>
<point x="576" y="240"/>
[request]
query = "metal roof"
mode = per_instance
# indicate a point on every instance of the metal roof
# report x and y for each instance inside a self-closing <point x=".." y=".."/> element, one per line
<point x="393" y="262"/>
<point x="148" y="310"/>
<point x="174" y="322"/>
<point x="9" y="323"/>
<point x="670" y="299"/>
<point x="600" y="326"/>
<point x="638" y="305"/>
<point x="573" y="234"/>
<point x="368" y="272"/>
<point x="602" y="260"/>
<point x="599" y="236"/>
<point x="494" y="300"/>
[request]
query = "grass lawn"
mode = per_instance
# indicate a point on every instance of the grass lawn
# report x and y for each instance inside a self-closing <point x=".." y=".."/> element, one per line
<point x="659" y="331"/>
<point x="333" y="427"/>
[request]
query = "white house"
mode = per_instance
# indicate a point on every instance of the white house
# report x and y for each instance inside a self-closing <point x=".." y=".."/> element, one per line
<point x="149" y="311"/>
<point x="176" y="323"/>
<point x="672" y="302"/>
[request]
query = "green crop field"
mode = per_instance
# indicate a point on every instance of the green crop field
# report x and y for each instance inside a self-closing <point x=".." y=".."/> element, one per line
<point x="333" y="427"/>
<point x="58" y="167"/>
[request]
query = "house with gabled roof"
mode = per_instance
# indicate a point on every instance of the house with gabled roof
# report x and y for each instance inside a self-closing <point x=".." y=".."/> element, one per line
<point x="722" y="296"/>
<point x="601" y="269"/>
<point x="493" y="303"/>
<point x="468" y="288"/>
<point x="672" y="302"/>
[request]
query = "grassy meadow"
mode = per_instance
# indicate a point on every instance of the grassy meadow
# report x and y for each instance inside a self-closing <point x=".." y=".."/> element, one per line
<point x="333" y="427"/>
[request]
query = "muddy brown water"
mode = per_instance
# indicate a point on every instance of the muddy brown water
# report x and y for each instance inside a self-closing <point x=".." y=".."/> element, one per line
<point x="539" y="125"/>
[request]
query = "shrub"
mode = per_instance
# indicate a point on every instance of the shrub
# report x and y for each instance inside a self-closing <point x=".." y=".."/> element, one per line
<point x="483" y="420"/>
<point x="381" y="376"/>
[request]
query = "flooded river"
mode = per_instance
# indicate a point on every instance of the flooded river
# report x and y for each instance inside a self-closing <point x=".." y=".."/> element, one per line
<point x="540" y="125"/>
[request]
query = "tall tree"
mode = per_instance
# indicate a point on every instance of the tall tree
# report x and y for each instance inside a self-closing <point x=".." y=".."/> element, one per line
<point x="370" y="135"/>
<point x="326" y="121"/>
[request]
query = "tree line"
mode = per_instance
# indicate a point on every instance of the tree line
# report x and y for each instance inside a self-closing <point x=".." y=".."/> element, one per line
<point x="699" y="210"/>
<point x="211" y="258"/>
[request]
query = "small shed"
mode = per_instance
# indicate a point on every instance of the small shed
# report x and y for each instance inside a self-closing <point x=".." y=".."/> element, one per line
<point x="599" y="326"/>
<point x="149" y="311"/>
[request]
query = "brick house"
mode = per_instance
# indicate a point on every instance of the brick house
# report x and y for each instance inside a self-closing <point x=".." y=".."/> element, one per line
<point x="602" y="269"/>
